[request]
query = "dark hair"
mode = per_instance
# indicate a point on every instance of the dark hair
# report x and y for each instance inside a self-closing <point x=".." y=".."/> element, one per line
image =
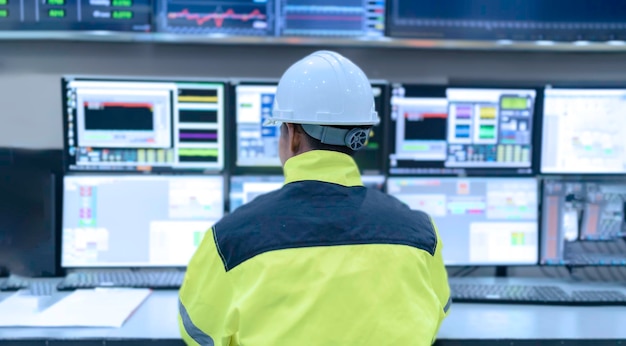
<point x="316" y="144"/>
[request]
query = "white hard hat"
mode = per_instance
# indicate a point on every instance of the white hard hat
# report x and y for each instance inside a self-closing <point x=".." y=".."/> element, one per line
<point x="324" y="88"/>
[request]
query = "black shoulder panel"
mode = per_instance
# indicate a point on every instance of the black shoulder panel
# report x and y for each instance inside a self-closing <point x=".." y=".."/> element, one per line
<point x="312" y="213"/>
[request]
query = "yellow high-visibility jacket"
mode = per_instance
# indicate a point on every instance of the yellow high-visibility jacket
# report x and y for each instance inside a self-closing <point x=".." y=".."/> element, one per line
<point x="321" y="261"/>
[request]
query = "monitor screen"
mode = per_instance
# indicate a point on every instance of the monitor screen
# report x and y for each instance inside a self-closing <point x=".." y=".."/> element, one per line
<point x="131" y="125"/>
<point x="584" y="131"/>
<point x="518" y="20"/>
<point x="440" y="130"/>
<point x="256" y="145"/>
<point x="217" y="17"/>
<point x="481" y="221"/>
<point x="79" y="15"/>
<point x="245" y="188"/>
<point x="353" y="18"/>
<point x="583" y="222"/>
<point x="137" y="220"/>
<point x="27" y="221"/>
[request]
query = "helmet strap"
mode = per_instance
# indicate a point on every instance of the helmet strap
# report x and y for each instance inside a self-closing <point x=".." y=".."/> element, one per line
<point x="355" y="138"/>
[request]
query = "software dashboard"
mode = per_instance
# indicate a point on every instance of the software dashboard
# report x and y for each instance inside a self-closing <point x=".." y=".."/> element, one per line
<point x="257" y="145"/>
<point x="481" y="221"/>
<point x="584" y="131"/>
<point x="527" y="20"/>
<point x="137" y="220"/>
<point x="326" y="18"/>
<point x="232" y="17"/>
<point x="439" y="130"/>
<point x="130" y="125"/>
<point x="583" y="222"/>
<point x="354" y="18"/>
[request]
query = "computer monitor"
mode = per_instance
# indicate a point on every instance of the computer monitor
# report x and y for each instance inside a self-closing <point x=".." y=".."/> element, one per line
<point x="245" y="188"/>
<point x="256" y="146"/>
<point x="133" y="125"/>
<point x="584" y="131"/>
<point x="217" y="17"/>
<point x="137" y="220"/>
<point x="583" y="222"/>
<point x="491" y="20"/>
<point x="454" y="130"/>
<point x="28" y="221"/>
<point x="481" y="221"/>
<point x="329" y="18"/>
<point x="76" y="16"/>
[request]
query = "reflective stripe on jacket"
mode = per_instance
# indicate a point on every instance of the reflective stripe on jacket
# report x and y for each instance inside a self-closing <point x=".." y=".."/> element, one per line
<point x="321" y="261"/>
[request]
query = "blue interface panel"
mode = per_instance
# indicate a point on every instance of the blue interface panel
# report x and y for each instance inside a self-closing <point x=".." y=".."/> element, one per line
<point x="510" y="20"/>
<point x="348" y="18"/>
<point x="481" y="221"/>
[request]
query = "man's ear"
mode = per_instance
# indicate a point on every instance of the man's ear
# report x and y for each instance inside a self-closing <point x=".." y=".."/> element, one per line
<point x="295" y="138"/>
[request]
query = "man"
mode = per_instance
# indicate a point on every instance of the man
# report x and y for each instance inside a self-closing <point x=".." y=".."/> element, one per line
<point x="323" y="260"/>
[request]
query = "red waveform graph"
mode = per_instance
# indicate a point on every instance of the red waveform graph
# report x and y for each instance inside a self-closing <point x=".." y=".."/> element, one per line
<point x="219" y="18"/>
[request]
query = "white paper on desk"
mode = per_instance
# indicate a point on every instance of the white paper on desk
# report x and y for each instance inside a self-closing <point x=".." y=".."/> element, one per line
<point x="93" y="308"/>
<point x="19" y="310"/>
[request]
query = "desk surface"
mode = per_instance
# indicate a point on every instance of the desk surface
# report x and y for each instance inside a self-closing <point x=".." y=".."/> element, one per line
<point x="156" y="319"/>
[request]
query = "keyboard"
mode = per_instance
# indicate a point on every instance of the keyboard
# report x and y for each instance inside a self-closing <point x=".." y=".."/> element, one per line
<point x="15" y="283"/>
<point x="39" y="288"/>
<point x="602" y="259"/>
<point x="130" y="279"/>
<point x="36" y="287"/>
<point x="522" y="294"/>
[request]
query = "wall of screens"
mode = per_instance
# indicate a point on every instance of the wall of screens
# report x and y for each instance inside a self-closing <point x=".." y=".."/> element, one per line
<point x="483" y="20"/>
<point x="512" y="175"/>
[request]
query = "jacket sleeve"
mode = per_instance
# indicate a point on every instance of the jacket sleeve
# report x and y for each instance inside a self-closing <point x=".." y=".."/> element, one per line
<point x="439" y="277"/>
<point x="205" y="314"/>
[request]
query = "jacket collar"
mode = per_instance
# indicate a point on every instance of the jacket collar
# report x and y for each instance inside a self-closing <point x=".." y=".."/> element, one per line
<point x="323" y="165"/>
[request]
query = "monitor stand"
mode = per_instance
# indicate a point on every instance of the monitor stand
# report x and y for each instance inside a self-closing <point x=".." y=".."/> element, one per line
<point x="501" y="271"/>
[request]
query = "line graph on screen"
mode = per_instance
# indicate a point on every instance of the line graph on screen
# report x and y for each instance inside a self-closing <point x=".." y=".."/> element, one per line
<point x="219" y="17"/>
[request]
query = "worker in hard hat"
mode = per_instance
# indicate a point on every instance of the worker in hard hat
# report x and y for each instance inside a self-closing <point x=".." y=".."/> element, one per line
<point x="323" y="260"/>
